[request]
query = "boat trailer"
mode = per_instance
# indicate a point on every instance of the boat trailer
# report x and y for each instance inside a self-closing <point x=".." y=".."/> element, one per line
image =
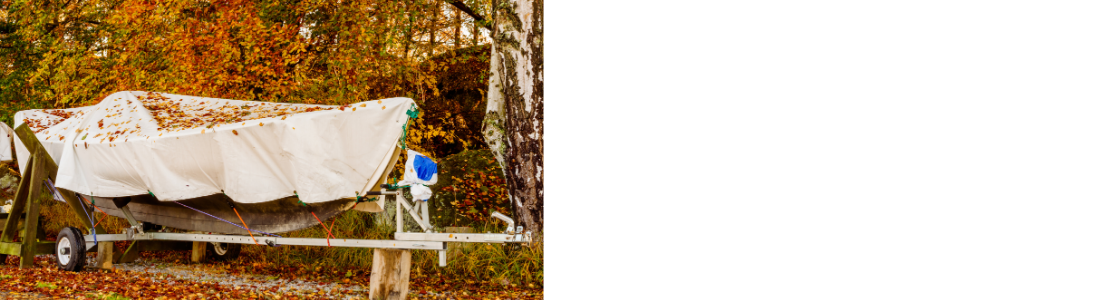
<point x="427" y="240"/>
<point x="390" y="267"/>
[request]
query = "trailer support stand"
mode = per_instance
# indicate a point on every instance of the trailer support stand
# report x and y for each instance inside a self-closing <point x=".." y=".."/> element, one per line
<point x="104" y="260"/>
<point x="130" y="218"/>
<point x="389" y="277"/>
<point x="40" y="167"/>
<point x="30" y="227"/>
<point x="198" y="251"/>
<point x="26" y="198"/>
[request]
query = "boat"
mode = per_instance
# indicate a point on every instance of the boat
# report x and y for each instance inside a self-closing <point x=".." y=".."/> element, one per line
<point x="201" y="164"/>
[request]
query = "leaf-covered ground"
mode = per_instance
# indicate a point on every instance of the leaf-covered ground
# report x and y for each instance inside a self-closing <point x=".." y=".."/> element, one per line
<point x="163" y="276"/>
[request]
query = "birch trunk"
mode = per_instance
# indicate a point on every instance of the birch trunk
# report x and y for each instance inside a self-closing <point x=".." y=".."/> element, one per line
<point x="513" y="125"/>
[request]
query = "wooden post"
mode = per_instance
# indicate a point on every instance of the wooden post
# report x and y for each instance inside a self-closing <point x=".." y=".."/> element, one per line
<point x="198" y="251"/>
<point x="30" y="235"/>
<point x="30" y="228"/>
<point x="389" y="276"/>
<point x="105" y="258"/>
<point x="11" y="224"/>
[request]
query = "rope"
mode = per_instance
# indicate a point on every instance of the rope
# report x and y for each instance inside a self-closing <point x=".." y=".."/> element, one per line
<point x="53" y="191"/>
<point x="318" y="220"/>
<point x="413" y="112"/>
<point x="100" y="210"/>
<point x="96" y="207"/>
<point x="223" y="220"/>
<point x="333" y="226"/>
<point x="323" y="226"/>
<point x="246" y="226"/>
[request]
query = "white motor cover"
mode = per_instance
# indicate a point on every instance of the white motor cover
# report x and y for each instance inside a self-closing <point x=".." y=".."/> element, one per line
<point x="420" y="171"/>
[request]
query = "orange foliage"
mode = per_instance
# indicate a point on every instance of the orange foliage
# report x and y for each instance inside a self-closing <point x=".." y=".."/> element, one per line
<point x="481" y="193"/>
<point x="74" y="53"/>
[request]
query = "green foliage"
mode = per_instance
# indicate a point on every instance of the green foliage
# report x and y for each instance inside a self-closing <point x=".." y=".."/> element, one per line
<point x="9" y="108"/>
<point x="471" y="186"/>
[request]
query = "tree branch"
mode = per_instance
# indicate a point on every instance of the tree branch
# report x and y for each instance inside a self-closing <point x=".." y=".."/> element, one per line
<point x="466" y="9"/>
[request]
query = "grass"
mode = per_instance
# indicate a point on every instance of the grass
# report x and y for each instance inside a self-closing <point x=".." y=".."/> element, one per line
<point x="476" y="262"/>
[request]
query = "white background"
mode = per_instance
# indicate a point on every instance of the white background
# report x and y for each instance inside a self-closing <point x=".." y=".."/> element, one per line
<point x="823" y="150"/>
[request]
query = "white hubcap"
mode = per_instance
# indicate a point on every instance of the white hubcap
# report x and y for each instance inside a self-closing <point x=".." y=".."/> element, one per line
<point x="64" y="251"/>
<point x="220" y="248"/>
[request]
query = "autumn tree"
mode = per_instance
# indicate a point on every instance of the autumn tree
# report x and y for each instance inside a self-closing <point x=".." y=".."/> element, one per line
<point x="58" y="54"/>
<point x="69" y="53"/>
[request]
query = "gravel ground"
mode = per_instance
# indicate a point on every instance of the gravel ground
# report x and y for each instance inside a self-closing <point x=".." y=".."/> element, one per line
<point x="210" y="273"/>
<point x="163" y="273"/>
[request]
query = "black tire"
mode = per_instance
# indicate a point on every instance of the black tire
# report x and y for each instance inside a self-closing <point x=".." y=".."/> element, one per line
<point x="69" y="250"/>
<point x="150" y="227"/>
<point x="223" y="251"/>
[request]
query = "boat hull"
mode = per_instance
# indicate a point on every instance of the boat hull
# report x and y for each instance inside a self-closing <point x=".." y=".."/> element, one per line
<point x="282" y="215"/>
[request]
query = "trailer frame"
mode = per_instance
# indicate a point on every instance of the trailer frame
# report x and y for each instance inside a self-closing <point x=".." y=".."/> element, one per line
<point x="42" y="170"/>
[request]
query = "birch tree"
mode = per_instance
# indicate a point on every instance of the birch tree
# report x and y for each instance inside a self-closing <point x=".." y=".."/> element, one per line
<point x="513" y="125"/>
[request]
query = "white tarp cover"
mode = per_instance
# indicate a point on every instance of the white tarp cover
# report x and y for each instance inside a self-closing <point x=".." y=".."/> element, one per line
<point x="5" y="142"/>
<point x="181" y="147"/>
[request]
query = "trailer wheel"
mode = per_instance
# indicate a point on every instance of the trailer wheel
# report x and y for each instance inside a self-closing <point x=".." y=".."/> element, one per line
<point x="70" y="250"/>
<point x="223" y="251"/>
